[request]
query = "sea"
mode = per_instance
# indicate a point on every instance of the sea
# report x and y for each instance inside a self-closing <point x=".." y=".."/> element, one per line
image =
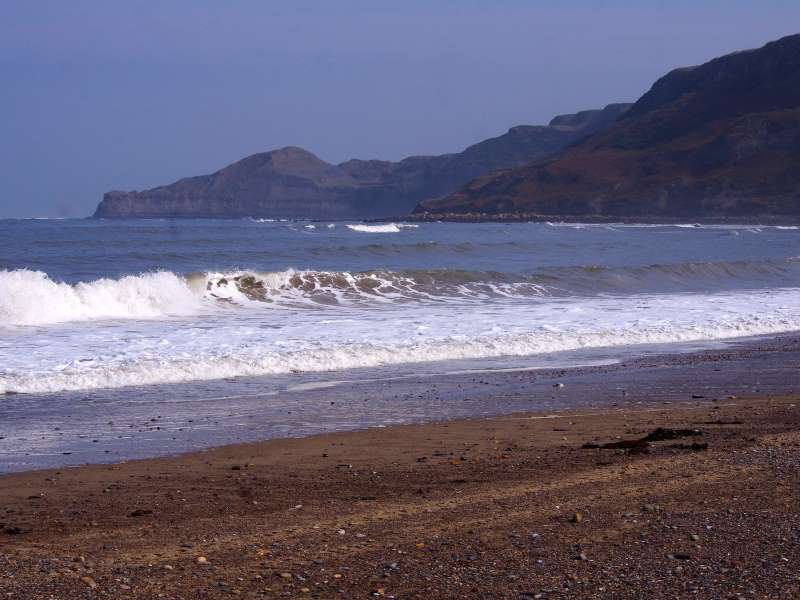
<point x="107" y="320"/>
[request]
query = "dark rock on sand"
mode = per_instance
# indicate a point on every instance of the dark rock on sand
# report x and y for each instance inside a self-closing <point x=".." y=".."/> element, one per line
<point x="657" y="435"/>
<point x="634" y="445"/>
<point x="665" y="433"/>
<point x="695" y="447"/>
<point x="13" y="530"/>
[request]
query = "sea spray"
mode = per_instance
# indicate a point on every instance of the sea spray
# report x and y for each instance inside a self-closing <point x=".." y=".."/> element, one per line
<point x="32" y="298"/>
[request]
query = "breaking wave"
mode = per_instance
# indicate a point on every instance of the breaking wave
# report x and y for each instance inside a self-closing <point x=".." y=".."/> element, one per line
<point x="32" y="298"/>
<point x="383" y="228"/>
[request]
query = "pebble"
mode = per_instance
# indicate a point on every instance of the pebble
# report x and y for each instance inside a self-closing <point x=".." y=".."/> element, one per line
<point x="577" y="518"/>
<point x="89" y="581"/>
<point x="201" y="560"/>
<point x="679" y="556"/>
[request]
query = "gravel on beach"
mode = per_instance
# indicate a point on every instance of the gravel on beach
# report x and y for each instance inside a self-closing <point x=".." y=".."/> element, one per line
<point x="520" y="506"/>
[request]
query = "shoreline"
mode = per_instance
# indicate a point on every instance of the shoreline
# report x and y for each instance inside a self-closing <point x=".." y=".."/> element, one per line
<point x="109" y="426"/>
<point x="493" y="506"/>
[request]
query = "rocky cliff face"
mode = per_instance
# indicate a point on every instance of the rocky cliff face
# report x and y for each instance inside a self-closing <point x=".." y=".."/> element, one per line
<point x="718" y="140"/>
<point x="292" y="182"/>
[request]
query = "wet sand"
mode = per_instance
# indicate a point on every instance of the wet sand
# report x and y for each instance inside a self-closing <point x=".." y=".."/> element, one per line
<point x="112" y="425"/>
<point x="505" y="507"/>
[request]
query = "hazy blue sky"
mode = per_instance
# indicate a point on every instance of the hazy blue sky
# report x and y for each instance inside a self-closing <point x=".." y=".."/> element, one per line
<point x="101" y="95"/>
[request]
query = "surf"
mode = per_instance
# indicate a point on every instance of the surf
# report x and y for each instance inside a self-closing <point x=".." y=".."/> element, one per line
<point x="32" y="298"/>
<point x="118" y="354"/>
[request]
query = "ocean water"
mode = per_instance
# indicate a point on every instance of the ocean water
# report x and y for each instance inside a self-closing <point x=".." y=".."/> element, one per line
<point x="105" y="304"/>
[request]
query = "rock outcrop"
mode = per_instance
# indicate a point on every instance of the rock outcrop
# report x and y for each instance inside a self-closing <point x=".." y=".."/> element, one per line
<point x="719" y="140"/>
<point x="292" y="182"/>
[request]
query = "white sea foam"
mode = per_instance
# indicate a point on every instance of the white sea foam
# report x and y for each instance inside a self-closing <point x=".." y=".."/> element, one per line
<point x="32" y="298"/>
<point x="248" y="343"/>
<point x="386" y="228"/>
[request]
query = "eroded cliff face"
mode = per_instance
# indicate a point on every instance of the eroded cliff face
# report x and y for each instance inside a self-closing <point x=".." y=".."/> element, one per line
<point x="292" y="182"/>
<point x="718" y="140"/>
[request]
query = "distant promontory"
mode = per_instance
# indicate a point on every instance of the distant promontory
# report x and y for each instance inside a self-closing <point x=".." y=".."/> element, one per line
<point x="716" y="141"/>
<point x="293" y="182"/>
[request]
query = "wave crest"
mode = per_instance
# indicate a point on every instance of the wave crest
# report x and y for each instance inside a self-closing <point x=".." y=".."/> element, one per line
<point x="32" y="298"/>
<point x="382" y="228"/>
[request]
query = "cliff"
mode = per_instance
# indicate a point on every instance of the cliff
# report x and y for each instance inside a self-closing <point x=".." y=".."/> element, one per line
<point x="292" y="182"/>
<point x="719" y="140"/>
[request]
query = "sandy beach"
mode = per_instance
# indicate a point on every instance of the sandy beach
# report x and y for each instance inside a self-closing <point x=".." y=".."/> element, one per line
<point x="514" y="506"/>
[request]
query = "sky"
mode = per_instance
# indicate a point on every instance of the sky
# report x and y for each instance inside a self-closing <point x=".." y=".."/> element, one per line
<point x="99" y="95"/>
